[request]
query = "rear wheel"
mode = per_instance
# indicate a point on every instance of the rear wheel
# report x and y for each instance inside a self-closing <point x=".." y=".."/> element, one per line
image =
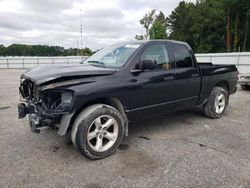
<point x="98" y="131"/>
<point x="217" y="103"/>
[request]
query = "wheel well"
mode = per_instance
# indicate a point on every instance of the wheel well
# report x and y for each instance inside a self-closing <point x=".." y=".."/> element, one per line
<point x="223" y="84"/>
<point x="111" y="101"/>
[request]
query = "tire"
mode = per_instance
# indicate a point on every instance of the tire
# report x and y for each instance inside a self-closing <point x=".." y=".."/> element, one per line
<point x="98" y="131"/>
<point x="217" y="103"/>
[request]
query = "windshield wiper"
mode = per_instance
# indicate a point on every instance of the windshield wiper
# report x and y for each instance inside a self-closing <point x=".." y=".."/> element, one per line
<point x="97" y="63"/>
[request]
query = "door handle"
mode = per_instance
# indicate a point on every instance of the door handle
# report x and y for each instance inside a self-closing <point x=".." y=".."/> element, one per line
<point x="168" y="78"/>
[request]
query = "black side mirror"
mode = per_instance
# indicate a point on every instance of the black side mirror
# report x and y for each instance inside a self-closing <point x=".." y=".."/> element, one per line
<point x="147" y="64"/>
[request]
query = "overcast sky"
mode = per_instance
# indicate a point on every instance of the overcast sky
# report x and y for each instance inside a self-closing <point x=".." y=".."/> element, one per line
<point x="57" y="22"/>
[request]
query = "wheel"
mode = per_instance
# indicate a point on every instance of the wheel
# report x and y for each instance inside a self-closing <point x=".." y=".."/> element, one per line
<point x="217" y="103"/>
<point x="97" y="131"/>
<point x="245" y="87"/>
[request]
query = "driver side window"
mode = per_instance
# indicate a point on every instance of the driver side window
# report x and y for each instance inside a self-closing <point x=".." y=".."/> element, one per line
<point x="158" y="53"/>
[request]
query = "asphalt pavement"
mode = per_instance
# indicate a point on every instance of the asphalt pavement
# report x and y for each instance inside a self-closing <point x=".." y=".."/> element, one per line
<point x="184" y="149"/>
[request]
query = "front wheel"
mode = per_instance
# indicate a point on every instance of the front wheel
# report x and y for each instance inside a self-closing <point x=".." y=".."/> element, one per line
<point x="217" y="103"/>
<point x="98" y="131"/>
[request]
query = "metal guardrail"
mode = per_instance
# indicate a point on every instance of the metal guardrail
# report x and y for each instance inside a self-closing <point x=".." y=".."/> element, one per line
<point x="29" y="62"/>
<point x="241" y="60"/>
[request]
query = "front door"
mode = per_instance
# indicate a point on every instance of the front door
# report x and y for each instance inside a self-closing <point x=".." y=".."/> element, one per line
<point x="151" y="91"/>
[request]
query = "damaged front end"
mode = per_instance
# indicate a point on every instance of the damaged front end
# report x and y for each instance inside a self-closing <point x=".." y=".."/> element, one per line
<point x="45" y="107"/>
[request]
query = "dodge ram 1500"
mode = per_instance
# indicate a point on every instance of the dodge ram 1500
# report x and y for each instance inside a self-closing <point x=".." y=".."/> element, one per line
<point x="97" y="98"/>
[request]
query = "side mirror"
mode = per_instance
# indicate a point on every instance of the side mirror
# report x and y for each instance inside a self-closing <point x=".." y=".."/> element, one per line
<point x="147" y="64"/>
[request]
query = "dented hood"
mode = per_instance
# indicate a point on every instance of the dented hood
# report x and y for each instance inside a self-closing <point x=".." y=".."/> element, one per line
<point x="47" y="73"/>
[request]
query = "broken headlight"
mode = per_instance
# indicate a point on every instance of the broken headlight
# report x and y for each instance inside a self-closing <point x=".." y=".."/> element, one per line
<point x="57" y="101"/>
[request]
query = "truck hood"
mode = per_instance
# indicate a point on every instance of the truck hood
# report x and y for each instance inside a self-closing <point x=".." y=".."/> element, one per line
<point x="49" y="73"/>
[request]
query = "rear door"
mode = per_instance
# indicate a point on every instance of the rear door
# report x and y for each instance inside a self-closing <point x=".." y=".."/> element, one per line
<point x="187" y="77"/>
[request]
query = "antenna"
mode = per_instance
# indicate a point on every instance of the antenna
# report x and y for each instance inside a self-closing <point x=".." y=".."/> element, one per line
<point x="81" y="28"/>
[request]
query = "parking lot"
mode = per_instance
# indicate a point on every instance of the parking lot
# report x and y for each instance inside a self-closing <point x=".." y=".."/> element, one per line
<point x="184" y="149"/>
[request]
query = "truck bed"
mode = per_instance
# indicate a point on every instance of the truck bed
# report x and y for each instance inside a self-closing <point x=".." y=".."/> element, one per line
<point x="209" y="69"/>
<point x="210" y="74"/>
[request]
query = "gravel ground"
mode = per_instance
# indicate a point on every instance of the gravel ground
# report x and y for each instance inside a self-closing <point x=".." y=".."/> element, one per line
<point x="184" y="149"/>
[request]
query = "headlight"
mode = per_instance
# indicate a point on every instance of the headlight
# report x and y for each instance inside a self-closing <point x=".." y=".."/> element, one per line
<point x="57" y="101"/>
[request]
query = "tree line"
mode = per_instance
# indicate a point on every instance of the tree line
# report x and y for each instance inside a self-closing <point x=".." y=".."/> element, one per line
<point x="209" y="26"/>
<point x="42" y="50"/>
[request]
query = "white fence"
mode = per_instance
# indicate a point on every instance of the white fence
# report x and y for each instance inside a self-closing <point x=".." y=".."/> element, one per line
<point x="241" y="60"/>
<point x="29" y="62"/>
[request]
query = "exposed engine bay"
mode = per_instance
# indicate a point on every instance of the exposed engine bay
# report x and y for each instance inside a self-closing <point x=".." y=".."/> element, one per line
<point x="48" y="96"/>
<point x="44" y="107"/>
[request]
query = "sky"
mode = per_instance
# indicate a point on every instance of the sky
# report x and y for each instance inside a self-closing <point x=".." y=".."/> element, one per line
<point x="57" y="22"/>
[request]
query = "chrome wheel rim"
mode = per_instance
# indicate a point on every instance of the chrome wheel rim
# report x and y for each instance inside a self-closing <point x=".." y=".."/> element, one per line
<point x="220" y="103"/>
<point x="102" y="133"/>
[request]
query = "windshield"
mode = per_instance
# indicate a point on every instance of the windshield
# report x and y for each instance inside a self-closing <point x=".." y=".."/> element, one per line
<point x="113" y="56"/>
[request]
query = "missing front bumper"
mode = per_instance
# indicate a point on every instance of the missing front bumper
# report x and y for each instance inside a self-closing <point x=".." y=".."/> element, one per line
<point x="38" y="119"/>
<point x="35" y="121"/>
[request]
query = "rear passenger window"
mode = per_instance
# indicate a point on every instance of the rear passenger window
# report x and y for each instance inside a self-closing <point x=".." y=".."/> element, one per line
<point x="182" y="56"/>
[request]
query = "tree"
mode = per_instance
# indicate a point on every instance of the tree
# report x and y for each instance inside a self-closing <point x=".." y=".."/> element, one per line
<point x="146" y="22"/>
<point x="139" y="37"/>
<point x="237" y="24"/>
<point x="41" y="50"/>
<point x="155" y="25"/>
<point x="236" y="9"/>
<point x="85" y="52"/>
<point x="208" y="26"/>
<point x="157" y="31"/>
<point x="246" y="28"/>
<point x="180" y="21"/>
<point x="162" y="19"/>
<point x="2" y="50"/>
<point x="205" y="25"/>
<point x="228" y="6"/>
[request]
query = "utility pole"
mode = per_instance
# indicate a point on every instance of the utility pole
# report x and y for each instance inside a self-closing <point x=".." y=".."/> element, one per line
<point x="77" y="47"/>
<point x="81" y="27"/>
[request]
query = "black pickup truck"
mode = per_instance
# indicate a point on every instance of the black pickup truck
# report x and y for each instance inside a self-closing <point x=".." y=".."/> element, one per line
<point x="122" y="83"/>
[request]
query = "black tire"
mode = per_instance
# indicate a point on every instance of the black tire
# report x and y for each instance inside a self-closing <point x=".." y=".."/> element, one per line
<point x="81" y="128"/>
<point x="209" y="107"/>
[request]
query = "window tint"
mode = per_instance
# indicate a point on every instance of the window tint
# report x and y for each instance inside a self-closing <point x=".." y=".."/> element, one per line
<point x="158" y="53"/>
<point x="182" y="56"/>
